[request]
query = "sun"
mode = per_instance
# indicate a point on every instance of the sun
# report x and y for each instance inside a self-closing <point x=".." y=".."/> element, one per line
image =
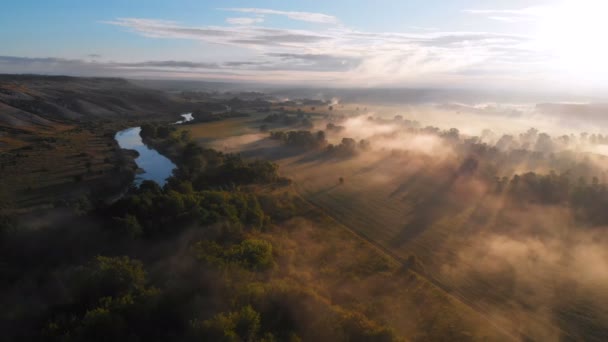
<point x="573" y="34"/>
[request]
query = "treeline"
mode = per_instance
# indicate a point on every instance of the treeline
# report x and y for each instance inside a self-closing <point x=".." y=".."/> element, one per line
<point x="299" y="119"/>
<point x="308" y="140"/>
<point x="301" y="139"/>
<point x="223" y="295"/>
<point x="589" y="199"/>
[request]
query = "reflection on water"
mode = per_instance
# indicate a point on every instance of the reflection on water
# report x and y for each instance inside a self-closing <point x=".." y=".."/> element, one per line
<point x="187" y="117"/>
<point x="155" y="166"/>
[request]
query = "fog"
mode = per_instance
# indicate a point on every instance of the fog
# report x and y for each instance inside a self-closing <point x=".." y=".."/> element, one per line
<point x="439" y="181"/>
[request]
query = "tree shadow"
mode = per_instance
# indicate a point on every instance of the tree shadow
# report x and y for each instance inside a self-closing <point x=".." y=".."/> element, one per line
<point x="415" y="178"/>
<point x="435" y="206"/>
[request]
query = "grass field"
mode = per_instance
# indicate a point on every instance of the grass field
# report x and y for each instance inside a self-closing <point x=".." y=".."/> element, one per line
<point x="366" y="276"/>
<point x="209" y="131"/>
<point x="410" y="205"/>
<point x="61" y="164"/>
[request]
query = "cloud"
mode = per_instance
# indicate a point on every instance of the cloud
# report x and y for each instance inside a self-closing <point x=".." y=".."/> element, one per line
<point x="238" y="35"/>
<point x="168" y="64"/>
<point x="51" y="65"/>
<point x="319" y="62"/>
<point x="352" y="56"/>
<point x="79" y="67"/>
<point x="513" y="15"/>
<point x="244" y="21"/>
<point x="301" y="16"/>
<point x="333" y="52"/>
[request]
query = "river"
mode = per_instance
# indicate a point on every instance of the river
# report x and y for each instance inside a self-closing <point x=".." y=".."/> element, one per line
<point x="154" y="165"/>
<point x="187" y="117"/>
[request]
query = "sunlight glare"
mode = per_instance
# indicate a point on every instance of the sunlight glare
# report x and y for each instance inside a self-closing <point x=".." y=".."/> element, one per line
<point x="573" y="33"/>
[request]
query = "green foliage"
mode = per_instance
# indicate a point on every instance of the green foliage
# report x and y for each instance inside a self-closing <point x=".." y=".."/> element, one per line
<point x="357" y="327"/>
<point x="163" y="212"/>
<point x="241" y="325"/>
<point x="162" y="132"/>
<point x="148" y="131"/>
<point x="252" y="254"/>
<point x="128" y="226"/>
<point x="289" y="309"/>
<point x="278" y="207"/>
<point x="111" y="276"/>
<point x="588" y="199"/>
<point x="111" y="304"/>
<point x="300" y="139"/>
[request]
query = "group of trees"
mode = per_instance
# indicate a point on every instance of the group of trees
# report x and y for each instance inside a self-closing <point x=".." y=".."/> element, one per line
<point x="301" y="139"/>
<point x="208" y="187"/>
<point x="334" y="128"/>
<point x="150" y="211"/>
<point x="222" y="288"/>
<point x="589" y="199"/>
<point x="285" y="119"/>
<point x="348" y="147"/>
<point x="310" y="141"/>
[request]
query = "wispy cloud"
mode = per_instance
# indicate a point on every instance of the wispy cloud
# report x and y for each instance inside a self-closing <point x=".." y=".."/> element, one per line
<point x="220" y="34"/>
<point x="351" y="55"/>
<point x="301" y="16"/>
<point x="244" y="21"/>
<point x="92" y="67"/>
<point x="512" y="15"/>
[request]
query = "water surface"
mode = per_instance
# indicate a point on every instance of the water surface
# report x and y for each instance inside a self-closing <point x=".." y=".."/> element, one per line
<point x="155" y="166"/>
<point x="186" y="117"/>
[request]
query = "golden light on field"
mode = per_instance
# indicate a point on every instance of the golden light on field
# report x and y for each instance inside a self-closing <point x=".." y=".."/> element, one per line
<point x="573" y="33"/>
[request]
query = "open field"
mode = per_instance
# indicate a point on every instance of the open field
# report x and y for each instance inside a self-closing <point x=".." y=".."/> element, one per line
<point x="410" y="204"/>
<point x="66" y="164"/>
<point x="402" y="296"/>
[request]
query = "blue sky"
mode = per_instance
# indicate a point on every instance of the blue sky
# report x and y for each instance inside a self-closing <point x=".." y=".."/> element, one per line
<point x="382" y="42"/>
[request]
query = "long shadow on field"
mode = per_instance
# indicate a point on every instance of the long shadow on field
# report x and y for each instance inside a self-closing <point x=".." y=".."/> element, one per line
<point x="267" y="149"/>
<point x="373" y="167"/>
<point x="413" y="179"/>
<point x="433" y="207"/>
<point x="323" y="156"/>
<point x="324" y="191"/>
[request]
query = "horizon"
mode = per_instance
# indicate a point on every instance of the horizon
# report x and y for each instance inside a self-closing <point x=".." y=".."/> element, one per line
<point x="547" y="46"/>
<point x="306" y="170"/>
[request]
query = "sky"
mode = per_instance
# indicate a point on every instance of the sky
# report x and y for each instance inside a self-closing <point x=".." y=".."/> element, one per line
<point x="450" y="43"/>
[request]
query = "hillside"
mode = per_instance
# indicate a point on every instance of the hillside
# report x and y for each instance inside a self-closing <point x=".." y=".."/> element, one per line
<point x="30" y="104"/>
<point x="57" y="135"/>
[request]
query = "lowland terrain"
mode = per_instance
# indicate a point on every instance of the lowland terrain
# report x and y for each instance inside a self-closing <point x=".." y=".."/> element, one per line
<point x="291" y="220"/>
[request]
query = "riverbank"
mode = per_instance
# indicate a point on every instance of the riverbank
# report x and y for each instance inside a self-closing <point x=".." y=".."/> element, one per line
<point x="151" y="164"/>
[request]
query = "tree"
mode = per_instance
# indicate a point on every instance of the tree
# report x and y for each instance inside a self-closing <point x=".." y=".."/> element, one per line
<point x="148" y="131"/>
<point x="162" y="132"/>
<point x="364" y="144"/>
<point x="341" y="180"/>
<point x="129" y="225"/>
<point x="321" y="137"/>
<point x="242" y="325"/>
<point x="253" y="254"/>
<point x="109" y="277"/>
